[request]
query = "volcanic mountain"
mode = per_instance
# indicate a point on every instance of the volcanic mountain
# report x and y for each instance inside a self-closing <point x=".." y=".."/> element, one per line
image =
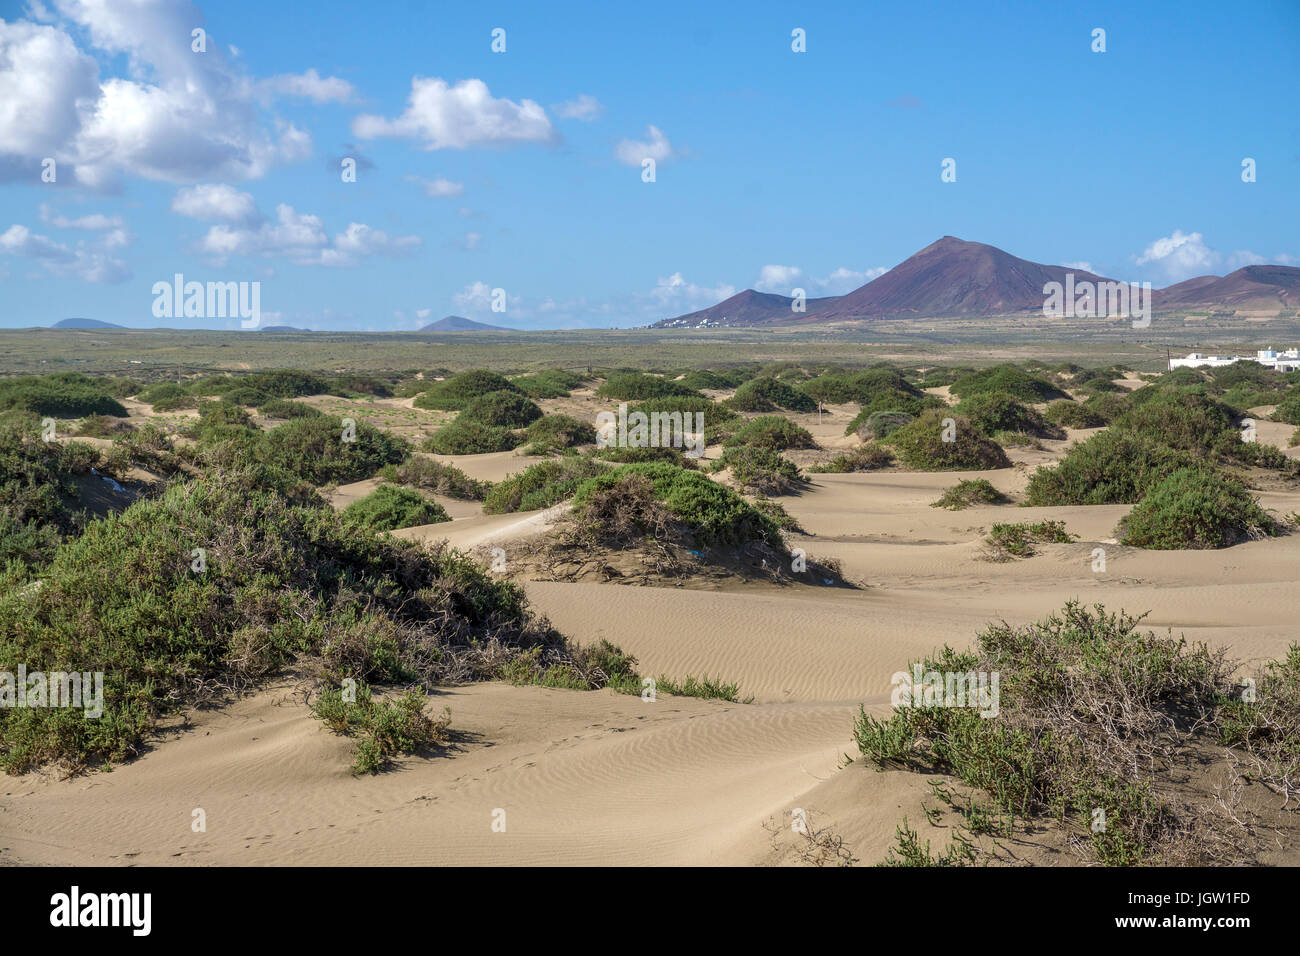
<point x="458" y="323"/>
<point x="953" y="278"/>
<point x="1260" y="288"/>
<point x="745" y="308"/>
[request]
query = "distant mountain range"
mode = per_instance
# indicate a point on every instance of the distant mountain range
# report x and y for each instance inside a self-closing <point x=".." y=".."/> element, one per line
<point x="953" y="278"/>
<point x="458" y="323"/>
<point x="85" y="324"/>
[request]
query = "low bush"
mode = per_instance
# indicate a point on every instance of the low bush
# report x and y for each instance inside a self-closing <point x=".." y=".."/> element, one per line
<point x="436" y="477"/>
<point x="964" y="494"/>
<point x="1111" y="467"/>
<point x="389" y="507"/>
<point x="455" y="393"/>
<point x="471" y="438"/>
<point x="772" y="432"/>
<point x="1194" y="508"/>
<point x="921" y="444"/>
<point x="541" y="485"/>
<point x="769" y="394"/>
<point x="760" y="469"/>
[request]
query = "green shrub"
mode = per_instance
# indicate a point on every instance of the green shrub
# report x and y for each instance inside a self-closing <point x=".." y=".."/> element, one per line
<point x="61" y="395"/>
<point x="1014" y="381"/>
<point x="104" y="426"/>
<point x="161" y="391"/>
<point x="1070" y="414"/>
<point x="772" y="432"/>
<point x="1194" y="508"/>
<point x="38" y="499"/>
<point x="760" y="469"/>
<point x="994" y="412"/>
<point x="471" y="438"/>
<point x="541" y="485"/>
<point x="874" y="388"/>
<point x="920" y="444"/>
<point x="707" y="688"/>
<point x="1288" y="410"/>
<point x="717" y="515"/>
<point x="456" y="392"/>
<point x="1017" y="540"/>
<point x="768" y="394"/>
<point x="388" y="508"/>
<point x="1108" y="406"/>
<point x="287" y="408"/>
<point x="976" y="491"/>
<point x="554" y="433"/>
<point x="282" y="383"/>
<point x="638" y="386"/>
<point x="1180" y="420"/>
<point x="500" y="410"/>
<point x="281" y="583"/>
<point x="314" y="449"/>
<point x="1057" y="749"/>
<point x="436" y="477"/>
<point x="1111" y="467"/>
<point x="868" y="457"/>
<point x="549" y="383"/>
<point x="701" y="379"/>
<point x="877" y="425"/>
<point x="387" y="728"/>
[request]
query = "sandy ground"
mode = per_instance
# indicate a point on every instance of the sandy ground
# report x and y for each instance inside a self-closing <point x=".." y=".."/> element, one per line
<point x="597" y="777"/>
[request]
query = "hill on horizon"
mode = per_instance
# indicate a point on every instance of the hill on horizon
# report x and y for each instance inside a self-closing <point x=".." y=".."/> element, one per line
<point x="85" y="324"/>
<point x="458" y="323"/>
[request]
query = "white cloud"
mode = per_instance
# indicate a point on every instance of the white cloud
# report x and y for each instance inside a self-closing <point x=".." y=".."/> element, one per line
<point x="301" y="238"/>
<point x="783" y="280"/>
<point x="477" y="298"/>
<point x="93" y="221"/>
<point x="89" y="261"/>
<point x="1082" y="266"/>
<point x="471" y="240"/>
<point x="1180" y="256"/>
<point x="655" y="147"/>
<point x="459" y="117"/>
<point x="175" y="116"/>
<point x="585" y="108"/>
<point x="1186" y="255"/>
<point x="675" y="292"/>
<point x="439" y="188"/>
<point x="216" y="202"/>
<point x="311" y="85"/>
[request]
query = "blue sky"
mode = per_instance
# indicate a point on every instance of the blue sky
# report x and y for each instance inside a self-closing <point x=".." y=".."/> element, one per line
<point x="521" y="170"/>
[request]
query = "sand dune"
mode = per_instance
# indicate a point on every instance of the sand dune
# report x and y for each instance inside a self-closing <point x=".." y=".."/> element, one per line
<point x="606" y="778"/>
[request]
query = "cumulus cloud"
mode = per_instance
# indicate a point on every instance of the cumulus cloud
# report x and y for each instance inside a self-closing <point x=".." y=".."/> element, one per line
<point x="1180" y="256"/>
<point x="311" y="85"/>
<point x="216" y="202"/>
<point x="1187" y="255"/>
<point x="175" y="115"/>
<point x="92" y="221"/>
<point x="459" y="117"/>
<point x="90" y="261"/>
<point x="656" y="146"/>
<point x="302" y="239"/>
<point x="585" y="108"/>
<point x="784" y="279"/>
<point x="675" y="292"/>
<point x="439" y="188"/>
<point x="477" y="298"/>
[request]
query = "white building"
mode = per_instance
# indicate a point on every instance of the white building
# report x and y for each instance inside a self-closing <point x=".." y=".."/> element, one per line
<point x="1287" y="361"/>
